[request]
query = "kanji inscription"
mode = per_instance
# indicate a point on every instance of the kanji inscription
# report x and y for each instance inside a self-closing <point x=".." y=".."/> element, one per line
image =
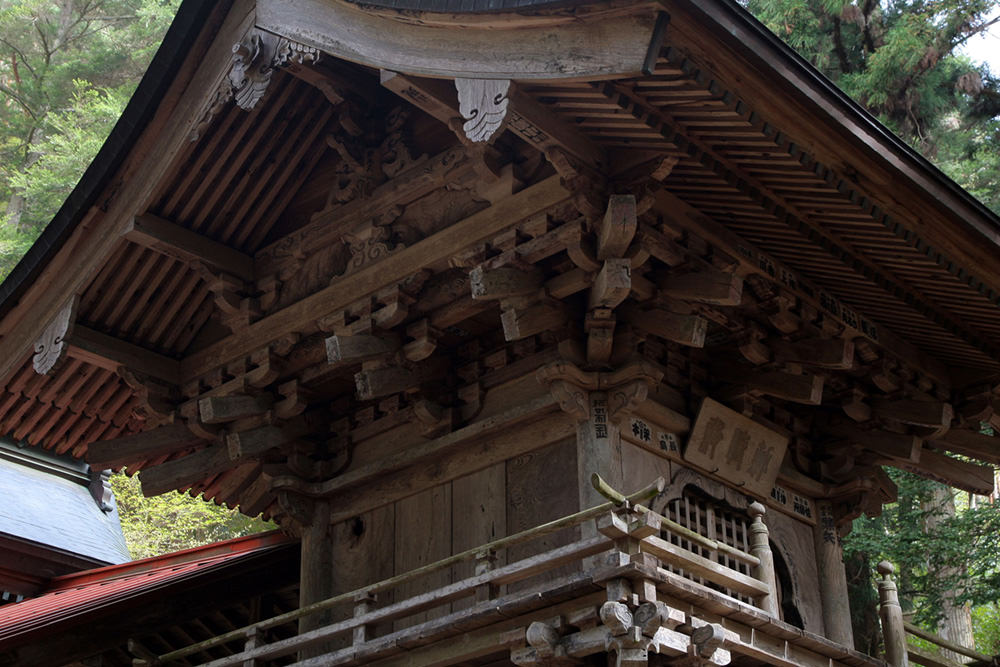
<point x="736" y="448"/>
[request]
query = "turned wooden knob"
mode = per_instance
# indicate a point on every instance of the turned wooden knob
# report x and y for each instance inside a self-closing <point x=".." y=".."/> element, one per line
<point x="885" y="568"/>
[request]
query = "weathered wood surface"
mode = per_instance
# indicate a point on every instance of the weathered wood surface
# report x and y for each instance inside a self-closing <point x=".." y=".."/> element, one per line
<point x="970" y="443"/>
<point x="181" y="243"/>
<point x="423" y="536"/>
<point x="929" y="215"/>
<point x="736" y="448"/>
<point x="752" y="260"/>
<point x="564" y="50"/>
<point x="480" y="453"/>
<point x="104" y="351"/>
<point x="390" y="270"/>
<point x="435" y="598"/>
<point x="140" y="447"/>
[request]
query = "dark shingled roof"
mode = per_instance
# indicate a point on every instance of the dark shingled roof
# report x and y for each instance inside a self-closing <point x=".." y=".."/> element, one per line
<point x="47" y="503"/>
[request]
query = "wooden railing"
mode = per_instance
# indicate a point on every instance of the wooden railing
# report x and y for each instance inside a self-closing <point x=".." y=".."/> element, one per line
<point x="895" y="631"/>
<point x="624" y="531"/>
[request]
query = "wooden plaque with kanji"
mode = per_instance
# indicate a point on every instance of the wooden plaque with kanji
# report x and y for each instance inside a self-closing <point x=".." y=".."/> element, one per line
<point x="735" y="448"/>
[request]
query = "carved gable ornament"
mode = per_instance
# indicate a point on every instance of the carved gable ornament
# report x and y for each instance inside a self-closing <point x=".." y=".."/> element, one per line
<point x="483" y="105"/>
<point x="735" y="448"/>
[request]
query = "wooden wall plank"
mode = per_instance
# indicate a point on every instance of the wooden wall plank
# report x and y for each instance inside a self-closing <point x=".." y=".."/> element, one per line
<point x="479" y="515"/>
<point x="533" y="499"/>
<point x="423" y="535"/>
<point x="363" y="553"/>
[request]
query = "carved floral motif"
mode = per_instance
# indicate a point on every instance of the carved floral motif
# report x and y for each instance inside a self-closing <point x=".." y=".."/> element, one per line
<point x="254" y="61"/>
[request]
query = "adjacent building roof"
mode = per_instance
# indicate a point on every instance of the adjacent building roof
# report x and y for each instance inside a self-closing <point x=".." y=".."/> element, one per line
<point x="56" y="517"/>
<point x="78" y="599"/>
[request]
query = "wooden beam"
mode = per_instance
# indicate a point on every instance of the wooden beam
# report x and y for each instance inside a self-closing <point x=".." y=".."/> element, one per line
<point x="612" y="284"/>
<point x="897" y="446"/>
<point x="959" y="474"/>
<point x="683" y="329"/>
<point x="805" y="388"/>
<point x="503" y="282"/>
<point x="753" y="261"/>
<point x="139" y="447"/>
<point x="184" y="245"/>
<point x="614" y="40"/>
<point x="224" y="409"/>
<point x="835" y="353"/>
<point x="254" y="442"/>
<point x="423" y="452"/>
<point x="110" y="353"/>
<point x="932" y="414"/>
<point x="184" y="472"/>
<point x="705" y="285"/>
<point x="970" y="443"/>
<point x="453" y="165"/>
<point x="343" y="350"/>
<point x="520" y="322"/>
<point x="378" y="382"/>
<point x="477" y="454"/>
<point x="391" y="269"/>
<point x="617" y="227"/>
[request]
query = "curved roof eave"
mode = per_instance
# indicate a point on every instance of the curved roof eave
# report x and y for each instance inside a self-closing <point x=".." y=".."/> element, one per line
<point x="840" y="104"/>
<point x="183" y="31"/>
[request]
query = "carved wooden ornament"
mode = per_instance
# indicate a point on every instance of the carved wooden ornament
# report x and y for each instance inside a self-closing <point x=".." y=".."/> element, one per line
<point x="735" y="448"/>
<point x="483" y="104"/>
<point x="51" y="346"/>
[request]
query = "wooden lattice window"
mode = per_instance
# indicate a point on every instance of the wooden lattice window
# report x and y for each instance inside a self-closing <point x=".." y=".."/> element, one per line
<point x="706" y="516"/>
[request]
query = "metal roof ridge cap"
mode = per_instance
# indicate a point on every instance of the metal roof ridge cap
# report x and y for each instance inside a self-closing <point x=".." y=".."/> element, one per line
<point x="204" y="553"/>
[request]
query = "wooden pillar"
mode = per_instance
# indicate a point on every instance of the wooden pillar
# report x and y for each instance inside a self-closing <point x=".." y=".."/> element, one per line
<point x="598" y="449"/>
<point x="761" y="548"/>
<point x="316" y="566"/>
<point x="832" y="577"/>
<point x="891" y="615"/>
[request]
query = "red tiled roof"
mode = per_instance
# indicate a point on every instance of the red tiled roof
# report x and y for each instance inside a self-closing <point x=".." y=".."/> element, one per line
<point x="79" y="594"/>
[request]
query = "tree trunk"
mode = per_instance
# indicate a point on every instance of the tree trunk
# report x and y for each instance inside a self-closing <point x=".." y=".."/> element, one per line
<point x="956" y="623"/>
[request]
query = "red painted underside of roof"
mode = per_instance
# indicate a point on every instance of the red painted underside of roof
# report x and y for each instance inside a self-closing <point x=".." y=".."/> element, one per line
<point x="79" y="594"/>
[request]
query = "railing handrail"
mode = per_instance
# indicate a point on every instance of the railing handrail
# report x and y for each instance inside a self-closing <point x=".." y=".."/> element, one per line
<point x="682" y="531"/>
<point x="649" y="491"/>
<point x="927" y="635"/>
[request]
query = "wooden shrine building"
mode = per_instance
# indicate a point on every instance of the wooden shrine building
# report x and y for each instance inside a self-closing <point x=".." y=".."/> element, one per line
<point x="404" y="275"/>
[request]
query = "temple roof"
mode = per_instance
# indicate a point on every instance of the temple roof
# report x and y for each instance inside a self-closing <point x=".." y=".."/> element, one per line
<point x="185" y="263"/>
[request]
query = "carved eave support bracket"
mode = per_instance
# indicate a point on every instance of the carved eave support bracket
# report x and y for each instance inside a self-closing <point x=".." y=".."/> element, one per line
<point x="254" y="60"/>
<point x="51" y="346"/>
<point x="626" y="387"/>
<point x="483" y="104"/>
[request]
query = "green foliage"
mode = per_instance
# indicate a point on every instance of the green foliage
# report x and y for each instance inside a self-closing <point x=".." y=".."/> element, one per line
<point x="986" y="627"/>
<point x="174" y="521"/>
<point x="75" y="135"/>
<point x="66" y="69"/>
<point x="900" y="58"/>
<point x="960" y="553"/>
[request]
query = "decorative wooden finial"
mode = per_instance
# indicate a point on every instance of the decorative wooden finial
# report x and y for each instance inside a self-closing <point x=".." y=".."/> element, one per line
<point x="885" y="568"/>
<point x="757" y="511"/>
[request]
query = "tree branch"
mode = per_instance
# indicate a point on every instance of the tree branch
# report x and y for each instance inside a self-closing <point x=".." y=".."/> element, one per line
<point x="21" y="102"/>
